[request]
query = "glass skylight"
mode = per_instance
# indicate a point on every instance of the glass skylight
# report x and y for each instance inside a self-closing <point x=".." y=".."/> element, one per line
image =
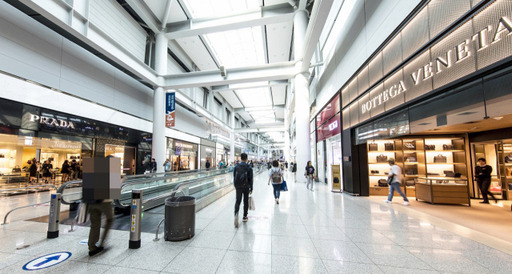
<point x="238" y="48"/>
<point x="209" y="8"/>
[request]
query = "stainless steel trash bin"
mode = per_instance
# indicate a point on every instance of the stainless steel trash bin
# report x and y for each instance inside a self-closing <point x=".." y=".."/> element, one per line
<point x="180" y="218"/>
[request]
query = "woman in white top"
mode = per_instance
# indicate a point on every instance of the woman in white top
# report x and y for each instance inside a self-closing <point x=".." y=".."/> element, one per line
<point x="276" y="177"/>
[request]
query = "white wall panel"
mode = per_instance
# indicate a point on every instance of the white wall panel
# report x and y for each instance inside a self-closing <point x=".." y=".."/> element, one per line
<point x="116" y="23"/>
<point x="356" y="42"/>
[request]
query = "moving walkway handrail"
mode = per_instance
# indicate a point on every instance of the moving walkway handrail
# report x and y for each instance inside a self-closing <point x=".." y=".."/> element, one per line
<point x="131" y="180"/>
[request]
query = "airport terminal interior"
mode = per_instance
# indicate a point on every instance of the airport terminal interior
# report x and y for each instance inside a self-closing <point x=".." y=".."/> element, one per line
<point x="256" y="136"/>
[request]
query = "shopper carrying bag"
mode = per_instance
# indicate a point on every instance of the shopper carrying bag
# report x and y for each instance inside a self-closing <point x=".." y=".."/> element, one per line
<point x="276" y="177"/>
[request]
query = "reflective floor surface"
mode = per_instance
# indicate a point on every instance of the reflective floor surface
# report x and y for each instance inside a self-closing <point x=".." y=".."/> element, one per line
<point x="308" y="232"/>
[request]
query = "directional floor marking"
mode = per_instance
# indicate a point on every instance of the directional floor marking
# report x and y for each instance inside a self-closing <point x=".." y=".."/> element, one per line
<point x="47" y="261"/>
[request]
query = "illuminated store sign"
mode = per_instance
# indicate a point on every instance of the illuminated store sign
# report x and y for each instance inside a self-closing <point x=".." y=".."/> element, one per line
<point x="50" y="121"/>
<point x="481" y="41"/>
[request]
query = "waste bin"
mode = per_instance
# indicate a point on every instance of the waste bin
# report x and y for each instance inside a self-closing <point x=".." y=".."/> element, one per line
<point x="180" y="218"/>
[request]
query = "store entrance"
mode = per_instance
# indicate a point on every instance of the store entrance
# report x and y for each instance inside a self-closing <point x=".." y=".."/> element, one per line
<point x="498" y="155"/>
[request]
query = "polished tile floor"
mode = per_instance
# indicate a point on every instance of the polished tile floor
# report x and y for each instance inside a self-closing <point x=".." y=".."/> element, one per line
<point x="309" y="232"/>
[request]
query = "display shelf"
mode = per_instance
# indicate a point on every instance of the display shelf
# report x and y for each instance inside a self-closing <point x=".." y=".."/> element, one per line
<point x="446" y="164"/>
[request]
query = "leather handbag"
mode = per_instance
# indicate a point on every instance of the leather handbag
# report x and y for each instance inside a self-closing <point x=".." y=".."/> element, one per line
<point x="430" y="147"/>
<point x="382" y="158"/>
<point x="411" y="159"/>
<point x="389" y="146"/>
<point x="410" y="182"/>
<point x="448" y="147"/>
<point x="374" y="171"/>
<point x="411" y="171"/>
<point x="383" y="182"/>
<point x="508" y="158"/>
<point x="410" y="145"/>
<point x="373" y="147"/>
<point x="16" y="169"/>
<point x="440" y="159"/>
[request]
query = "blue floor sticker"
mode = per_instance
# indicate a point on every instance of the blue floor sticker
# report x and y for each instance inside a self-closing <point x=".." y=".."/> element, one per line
<point x="47" y="261"/>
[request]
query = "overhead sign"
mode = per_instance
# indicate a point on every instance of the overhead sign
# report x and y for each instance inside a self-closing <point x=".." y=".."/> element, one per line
<point x="482" y="40"/>
<point x="47" y="261"/>
<point x="170" y="109"/>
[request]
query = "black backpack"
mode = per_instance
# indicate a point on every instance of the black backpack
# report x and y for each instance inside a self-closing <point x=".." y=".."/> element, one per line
<point x="242" y="176"/>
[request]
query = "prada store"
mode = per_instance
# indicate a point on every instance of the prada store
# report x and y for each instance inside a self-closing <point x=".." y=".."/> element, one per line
<point x="28" y="132"/>
<point x="436" y="97"/>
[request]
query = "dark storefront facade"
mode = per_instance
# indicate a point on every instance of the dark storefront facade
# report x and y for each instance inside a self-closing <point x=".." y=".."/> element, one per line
<point x="28" y="132"/>
<point x="435" y="97"/>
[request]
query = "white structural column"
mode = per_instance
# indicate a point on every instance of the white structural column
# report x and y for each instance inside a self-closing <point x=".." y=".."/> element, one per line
<point x="159" y="140"/>
<point x="232" y="137"/>
<point x="303" y="155"/>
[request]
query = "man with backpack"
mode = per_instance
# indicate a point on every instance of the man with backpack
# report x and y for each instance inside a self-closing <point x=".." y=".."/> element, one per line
<point x="243" y="179"/>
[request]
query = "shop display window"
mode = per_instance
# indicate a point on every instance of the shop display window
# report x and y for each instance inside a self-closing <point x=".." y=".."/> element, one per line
<point x="426" y="163"/>
<point x="379" y="152"/>
<point x="127" y="156"/>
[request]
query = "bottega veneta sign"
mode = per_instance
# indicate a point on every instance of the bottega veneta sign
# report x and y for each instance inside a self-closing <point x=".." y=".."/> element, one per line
<point x="50" y="121"/>
<point x="450" y="59"/>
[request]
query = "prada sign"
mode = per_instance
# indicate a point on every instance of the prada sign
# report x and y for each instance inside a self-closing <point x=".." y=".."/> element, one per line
<point x="483" y="40"/>
<point x="50" y="121"/>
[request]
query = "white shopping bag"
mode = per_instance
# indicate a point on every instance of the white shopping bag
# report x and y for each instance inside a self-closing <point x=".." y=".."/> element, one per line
<point x="82" y="214"/>
<point x="251" y="203"/>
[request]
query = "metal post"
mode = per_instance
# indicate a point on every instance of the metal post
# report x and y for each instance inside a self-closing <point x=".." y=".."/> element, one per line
<point x="136" y="212"/>
<point x="53" y="220"/>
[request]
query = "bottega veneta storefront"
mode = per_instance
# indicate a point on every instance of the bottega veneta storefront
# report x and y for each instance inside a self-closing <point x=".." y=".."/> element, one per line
<point x="435" y="97"/>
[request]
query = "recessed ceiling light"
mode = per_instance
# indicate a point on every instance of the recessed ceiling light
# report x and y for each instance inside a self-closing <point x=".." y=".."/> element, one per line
<point x="498" y="118"/>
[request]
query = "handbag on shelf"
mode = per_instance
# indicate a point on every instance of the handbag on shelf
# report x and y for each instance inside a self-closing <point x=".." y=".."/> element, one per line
<point x="508" y="158"/>
<point x="412" y="171"/>
<point x="16" y="169"/>
<point x="410" y="182"/>
<point x="410" y="145"/>
<point x="430" y="147"/>
<point x="373" y="147"/>
<point x="2" y="156"/>
<point x="449" y="173"/>
<point x="383" y="182"/>
<point x="389" y="146"/>
<point x="374" y="172"/>
<point x="432" y="174"/>
<point x="440" y="159"/>
<point x="411" y="159"/>
<point x="382" y="158"/>
<point x="509" y="172"/>
<point x="448" y="147"/>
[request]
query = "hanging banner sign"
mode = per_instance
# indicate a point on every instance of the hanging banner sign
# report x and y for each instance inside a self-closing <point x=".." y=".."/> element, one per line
<point x="336" y="178"/>
<point x="170" y="109"/>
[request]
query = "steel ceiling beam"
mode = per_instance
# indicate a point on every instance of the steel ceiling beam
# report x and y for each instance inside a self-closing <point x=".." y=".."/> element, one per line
<point x="145" y="14"/>
<point x="167" y="13"/>
<point x="268" y="72"/>
<point x="263" y="129"/>
<point x="269" y="108"/>
<point x="256" y="17"/>
<point x="316" y="24"/>
<point x="271" y="84"/>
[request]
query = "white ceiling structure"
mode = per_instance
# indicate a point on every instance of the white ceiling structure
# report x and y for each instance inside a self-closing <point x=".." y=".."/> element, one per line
<point x="234" y="34"/>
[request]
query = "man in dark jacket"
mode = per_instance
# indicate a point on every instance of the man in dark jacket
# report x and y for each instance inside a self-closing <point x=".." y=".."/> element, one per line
<point x="243" y="179"/>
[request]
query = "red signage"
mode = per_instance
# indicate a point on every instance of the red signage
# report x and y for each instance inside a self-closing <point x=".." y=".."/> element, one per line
<point x="329" y="110"/>
<point x="329" y="129"/>
<point x="169" y="119"/>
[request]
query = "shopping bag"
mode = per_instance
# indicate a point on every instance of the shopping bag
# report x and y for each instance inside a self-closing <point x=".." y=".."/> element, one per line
<point x="283" y="186"/>
<point x="82" y="214"/>
<point x="251" y="203"/>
